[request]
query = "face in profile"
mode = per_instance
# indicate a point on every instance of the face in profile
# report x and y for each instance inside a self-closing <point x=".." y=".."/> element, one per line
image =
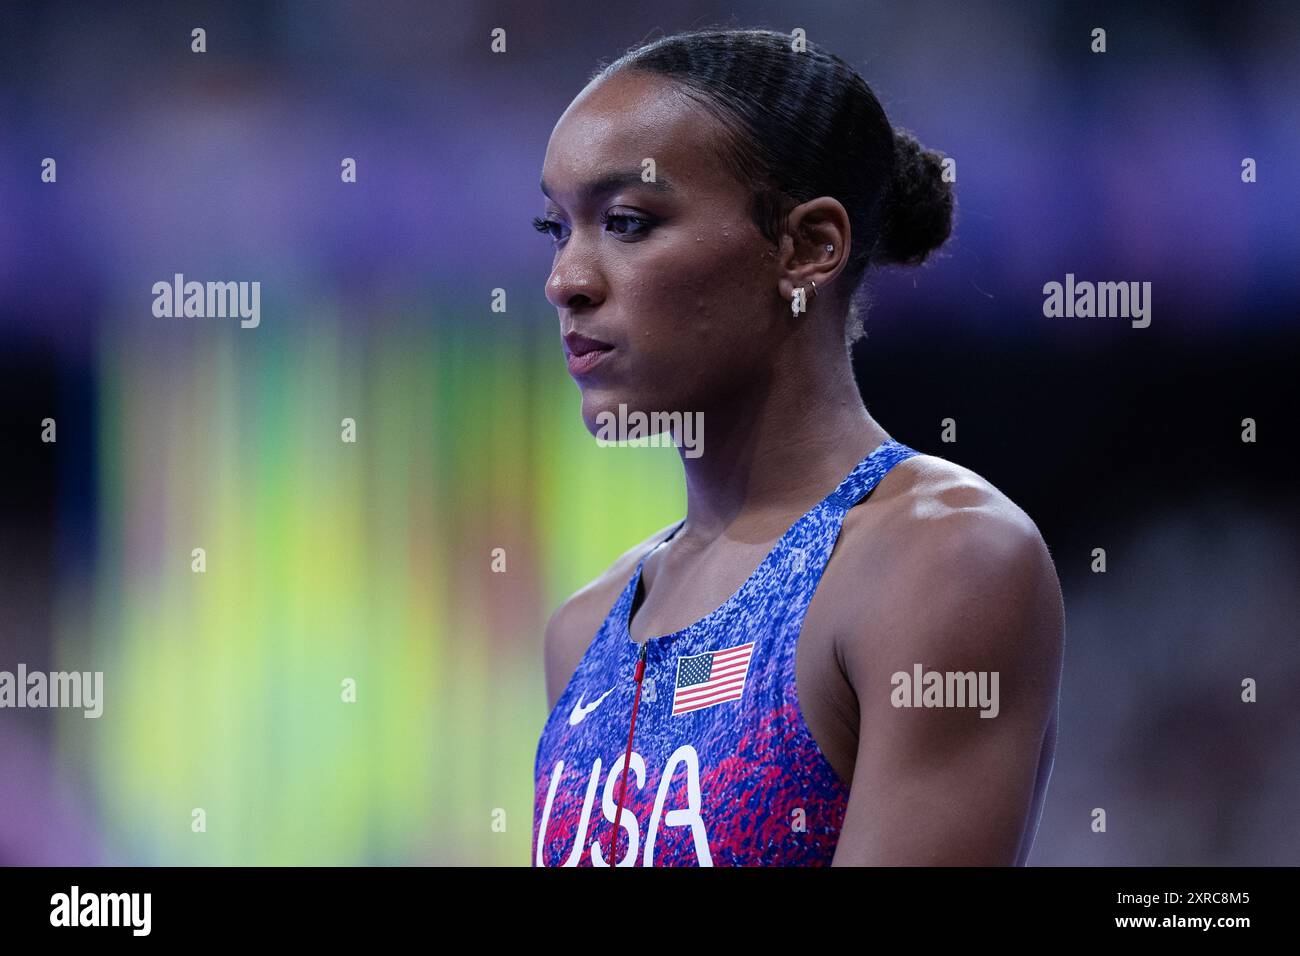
<point x="666" y="291"/>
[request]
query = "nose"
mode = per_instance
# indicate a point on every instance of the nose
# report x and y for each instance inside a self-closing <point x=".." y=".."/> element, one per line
<point x="575" y="281"/>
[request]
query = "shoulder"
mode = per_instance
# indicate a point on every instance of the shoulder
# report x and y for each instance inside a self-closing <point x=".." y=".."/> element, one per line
<point x="574" y="623"/>
<point x="954" y="571"/>
<point x="956" y="617"/>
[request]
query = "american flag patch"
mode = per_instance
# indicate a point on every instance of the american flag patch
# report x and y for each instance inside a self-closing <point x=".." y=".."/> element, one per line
<point x="711" y="678"/>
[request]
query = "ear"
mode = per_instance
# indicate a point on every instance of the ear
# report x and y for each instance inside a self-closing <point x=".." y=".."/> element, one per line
<point x="804" y="257"/>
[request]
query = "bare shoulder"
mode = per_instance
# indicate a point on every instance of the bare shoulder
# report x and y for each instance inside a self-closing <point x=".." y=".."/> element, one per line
<point x="927" y="501"/>
<point x="957" y="616"/>
<point x="573" y="624"/>
<point x="946" y="565"/>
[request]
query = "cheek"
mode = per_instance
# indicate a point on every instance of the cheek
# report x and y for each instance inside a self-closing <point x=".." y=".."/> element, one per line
<point x="701" y="300"/>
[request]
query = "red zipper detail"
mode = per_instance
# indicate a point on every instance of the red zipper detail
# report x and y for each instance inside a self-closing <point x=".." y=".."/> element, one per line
<point x="627" y="757"/>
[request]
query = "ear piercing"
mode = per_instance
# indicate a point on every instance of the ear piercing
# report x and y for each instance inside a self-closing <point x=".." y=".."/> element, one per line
<point x="797" y="300"/>
<point x="797" y="303"/>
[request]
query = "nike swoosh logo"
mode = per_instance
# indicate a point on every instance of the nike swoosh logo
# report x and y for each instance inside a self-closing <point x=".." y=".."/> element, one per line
<point x="580" y="712"/>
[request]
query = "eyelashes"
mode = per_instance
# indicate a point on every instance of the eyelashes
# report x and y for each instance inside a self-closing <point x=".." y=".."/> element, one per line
<point x="545" y="225"/>
<point x="644" y="224"/>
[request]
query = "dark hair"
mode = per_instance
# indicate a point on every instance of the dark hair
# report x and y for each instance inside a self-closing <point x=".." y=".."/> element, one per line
<point x="804" y="124"/>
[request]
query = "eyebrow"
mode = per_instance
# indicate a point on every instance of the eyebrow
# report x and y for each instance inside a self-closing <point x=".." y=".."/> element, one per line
<point x="612" y="182"/>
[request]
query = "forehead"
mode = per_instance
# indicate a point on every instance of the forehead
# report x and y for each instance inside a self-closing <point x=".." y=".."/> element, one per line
<point x="630" y="117"/>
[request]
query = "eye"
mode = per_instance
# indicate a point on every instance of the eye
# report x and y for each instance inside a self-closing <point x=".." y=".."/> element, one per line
<point x="621" y="223"/>
<point x="644" y="224"/>
<point x="545" y="225"/>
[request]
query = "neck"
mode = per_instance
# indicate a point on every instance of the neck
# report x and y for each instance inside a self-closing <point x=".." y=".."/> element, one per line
<point x="776" y="448"/>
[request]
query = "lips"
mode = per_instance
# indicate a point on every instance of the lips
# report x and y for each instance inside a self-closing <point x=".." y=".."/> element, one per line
<point x="584" y="353"/>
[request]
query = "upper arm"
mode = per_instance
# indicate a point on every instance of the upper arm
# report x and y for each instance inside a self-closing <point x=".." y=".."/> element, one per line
<point x="974" y="591"/>
<point x="558" y="651"/>
<point x="550" y="661"/>
<point x="573" y="625"/>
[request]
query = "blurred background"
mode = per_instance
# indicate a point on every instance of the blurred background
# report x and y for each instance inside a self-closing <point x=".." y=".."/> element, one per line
<point x="373" y="560"/>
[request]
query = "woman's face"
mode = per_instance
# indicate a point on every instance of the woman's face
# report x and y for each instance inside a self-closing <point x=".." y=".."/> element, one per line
<point x="666" y="291"/>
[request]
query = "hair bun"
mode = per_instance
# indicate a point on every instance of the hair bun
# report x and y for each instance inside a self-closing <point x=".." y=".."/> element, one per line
<point x="918" y="205"/>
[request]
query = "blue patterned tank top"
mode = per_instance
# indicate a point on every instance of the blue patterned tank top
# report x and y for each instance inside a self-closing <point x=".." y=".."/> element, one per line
<point x="722" y="770"/>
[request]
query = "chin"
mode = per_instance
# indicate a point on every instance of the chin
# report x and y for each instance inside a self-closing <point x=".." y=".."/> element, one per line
<point x="603" y="406"/>
<point x="599" y="403"/>
<point x="617" y="417"/>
